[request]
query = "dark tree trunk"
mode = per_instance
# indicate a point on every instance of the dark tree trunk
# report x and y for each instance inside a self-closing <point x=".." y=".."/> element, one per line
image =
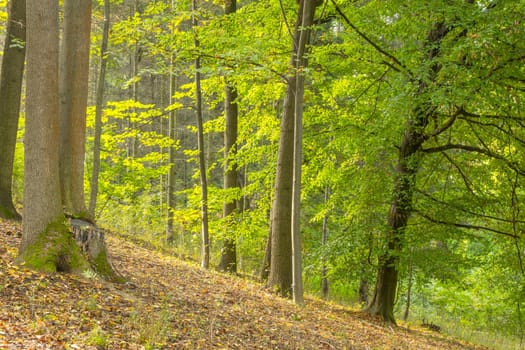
<point x="324" y="240"/>
<point x="228" y="260"/>
<point x="10" y="92"/>
<point x="406" y="170"/>
<point x="205" y="255"/>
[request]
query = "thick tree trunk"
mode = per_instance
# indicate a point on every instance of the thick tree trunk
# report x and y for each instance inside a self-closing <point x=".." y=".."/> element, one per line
<point x="47" y="244"/>
<point x="404" y="183"/>
<point x="205" y="254"/>
<point x="74" y="74"/>
<point x="10" y="92"/>
<point x="99" y="105"/>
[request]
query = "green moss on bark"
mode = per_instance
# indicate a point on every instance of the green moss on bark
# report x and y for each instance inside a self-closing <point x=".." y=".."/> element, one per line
<point x="54" y="250"/>
<point x="104" y="269"/>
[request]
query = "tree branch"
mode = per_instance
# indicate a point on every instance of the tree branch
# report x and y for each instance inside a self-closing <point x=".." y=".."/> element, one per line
<point x="469" y="148"/>
<point x="465" y="226"/>
<point x="455" y="207"/>
<point x="371" y="42"/>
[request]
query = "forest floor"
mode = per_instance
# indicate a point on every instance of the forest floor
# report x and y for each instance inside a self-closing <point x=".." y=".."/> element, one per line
<point x="173" y="304"/>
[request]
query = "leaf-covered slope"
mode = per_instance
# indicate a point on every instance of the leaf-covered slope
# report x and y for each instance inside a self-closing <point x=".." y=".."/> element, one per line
<point x="171" y="304"/>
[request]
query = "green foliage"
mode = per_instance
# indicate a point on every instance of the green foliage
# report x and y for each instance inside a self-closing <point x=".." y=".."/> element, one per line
<point x="358" y="104"/>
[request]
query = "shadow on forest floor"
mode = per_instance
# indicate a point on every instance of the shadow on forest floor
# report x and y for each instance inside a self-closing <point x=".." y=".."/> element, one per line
<point x="172" y="304"/>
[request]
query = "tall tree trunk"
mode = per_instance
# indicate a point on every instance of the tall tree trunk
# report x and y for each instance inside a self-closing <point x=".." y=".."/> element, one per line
<point x="404" y="182"/>
<point x="282" y="265"/>
<point x="324" y="240"/>
<point x="74" y="76"/>
<point x="170" y="200"/>
<point x="409" y="290"/>
<point x="205" y="255"/>
<point x="47" y="244"/>
<point x="99" y="105"/>
<point x="228" y="260"/>
<point x="10" y="92"/>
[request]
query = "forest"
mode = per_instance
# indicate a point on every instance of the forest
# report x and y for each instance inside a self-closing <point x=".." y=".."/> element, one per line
<point x="365" y="152"/>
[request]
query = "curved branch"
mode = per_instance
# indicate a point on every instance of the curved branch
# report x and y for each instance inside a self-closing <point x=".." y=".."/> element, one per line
<point x="469" y="148"/>
<point x="371" y="42"/>
<point x="455" y="207"/>
<point x="465" y="226"/>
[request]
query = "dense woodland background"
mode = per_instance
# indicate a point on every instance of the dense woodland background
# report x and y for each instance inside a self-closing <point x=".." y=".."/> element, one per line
<point x="413" y="143"/>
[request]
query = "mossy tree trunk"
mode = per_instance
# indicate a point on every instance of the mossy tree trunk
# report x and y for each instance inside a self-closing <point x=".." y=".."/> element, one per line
<point x="47" y="242"/>
<point x="10" y="91"/>
<point x="409" y="157"/>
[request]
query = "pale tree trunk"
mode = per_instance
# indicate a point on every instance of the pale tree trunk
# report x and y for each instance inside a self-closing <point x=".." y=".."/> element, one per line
<point x="10" y="92"/>
<point x="228" y="260"/>
<point x="170" y="200"/>
<point x="404" y="183"/>
<point x="99" y="105"/>
<point x="47" y="244"/>
<point x="283" y="268"/>
<point x="308" y="9"/>
<point x="74" y="74"/>
<point x="171" y="159"/>
<point x="205" y="254"/>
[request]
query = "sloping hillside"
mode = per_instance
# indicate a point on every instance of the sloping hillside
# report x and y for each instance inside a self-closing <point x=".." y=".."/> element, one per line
<point x="171" y="304"/>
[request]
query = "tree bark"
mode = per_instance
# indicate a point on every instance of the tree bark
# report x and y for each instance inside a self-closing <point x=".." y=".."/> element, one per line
<point x="228" y="260"/>
<point x="205" y="254"/>
<point x="324" y="240"/>
<point x="282" y="267"/>
<point x="74" y="77"/>
<point x="46" y="242"/>
<point x="99" y="105"/>
<point x="404" y="182"/>
<point x="10" y="92"/>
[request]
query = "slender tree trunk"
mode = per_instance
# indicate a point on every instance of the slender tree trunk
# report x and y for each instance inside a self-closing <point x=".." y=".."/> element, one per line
<point x="73" y="75"/>
<point x="171" y="158"/>
<point x="205" y="255"/>
<point x="324" y="240"/>
<point x="409" y="290"/>
<point x="228" y="260"/>
<point x="99" y="105"/>
<point x="265" y="268"/>
<point x="171" y="176"/>
<point x="10" y="92"/>
<point x="283" y="268"/>
<point x="406" y="170"/>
